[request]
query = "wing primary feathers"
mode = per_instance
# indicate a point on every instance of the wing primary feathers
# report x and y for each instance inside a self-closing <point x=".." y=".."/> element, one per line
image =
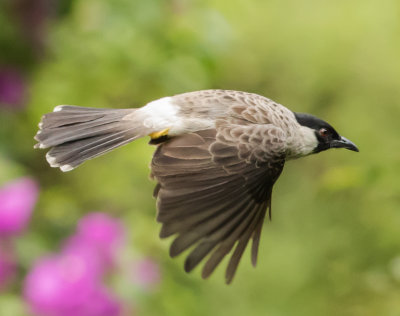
<point x="184" y="220"/>
<point x="212" y="203"/>
<point x="226" y="246"/>
<point x="224" y="232"/>
<point x="215" y="212"/>
<point x="241" y="246"/>
<point x="217" y="235"/>
<point x="216" y="222"/>
<point x="256" y="241"/>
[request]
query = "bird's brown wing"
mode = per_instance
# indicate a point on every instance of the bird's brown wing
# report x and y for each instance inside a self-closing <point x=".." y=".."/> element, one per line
<point x="214" y="188"/>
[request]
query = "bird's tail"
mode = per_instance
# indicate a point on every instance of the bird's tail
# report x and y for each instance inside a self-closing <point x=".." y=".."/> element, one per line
<point x="76" y="134"/>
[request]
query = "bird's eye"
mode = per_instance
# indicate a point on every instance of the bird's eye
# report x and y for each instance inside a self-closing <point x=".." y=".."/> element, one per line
<point x="323" y="132"/>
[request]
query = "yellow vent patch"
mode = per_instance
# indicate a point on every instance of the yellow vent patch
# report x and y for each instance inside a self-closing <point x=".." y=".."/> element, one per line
<point x="159" y="134"/>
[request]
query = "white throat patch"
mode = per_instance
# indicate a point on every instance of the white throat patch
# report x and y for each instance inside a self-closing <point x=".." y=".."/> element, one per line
<point x="305" y="143"/>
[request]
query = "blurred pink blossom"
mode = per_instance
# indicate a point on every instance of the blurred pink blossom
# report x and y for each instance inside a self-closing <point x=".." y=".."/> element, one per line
<point x="8" y="265"/>
<point x="101" y="303"/>
<point x="71" y="283"/>
<point x="77" y="247"/>
<point x="100" y="228"/>
<point x="64" y="286"/>
<point x="101" y="232"/>
<point x="12" y="87"/>
<point x="146" y="273"/>
<point x="17" y="201"/>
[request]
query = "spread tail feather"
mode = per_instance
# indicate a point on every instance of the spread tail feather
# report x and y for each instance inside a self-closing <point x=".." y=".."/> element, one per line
<point x="76" y="134"/>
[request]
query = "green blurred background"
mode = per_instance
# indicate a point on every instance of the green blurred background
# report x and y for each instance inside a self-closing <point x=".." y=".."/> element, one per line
<point x="333" y="247"/>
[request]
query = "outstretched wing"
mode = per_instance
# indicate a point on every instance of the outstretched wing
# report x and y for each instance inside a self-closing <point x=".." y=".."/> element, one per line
<point x="214" y="188"/>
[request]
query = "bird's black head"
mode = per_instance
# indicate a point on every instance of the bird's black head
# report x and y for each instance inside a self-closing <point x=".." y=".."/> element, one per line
<point x="326" y="135"/>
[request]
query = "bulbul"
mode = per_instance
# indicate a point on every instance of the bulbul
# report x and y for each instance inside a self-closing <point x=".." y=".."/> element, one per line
<point x="218" y="155"/>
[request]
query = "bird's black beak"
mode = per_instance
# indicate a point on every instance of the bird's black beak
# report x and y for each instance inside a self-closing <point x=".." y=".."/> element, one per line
<point x="344" y="143"/>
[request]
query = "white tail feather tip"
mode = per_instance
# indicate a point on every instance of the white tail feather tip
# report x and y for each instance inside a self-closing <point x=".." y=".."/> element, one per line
<point x="51" y="160"/>
<point x="66" y="168"/>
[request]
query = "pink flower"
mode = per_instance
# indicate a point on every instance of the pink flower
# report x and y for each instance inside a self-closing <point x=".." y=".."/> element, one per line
<point x="17" y="201"/>
<point x="146" y="273"/>
<point x="65" y="286"/>
<point x="59" y="286"/>
<point x="77" y="247"/>
<point x="101" y="232"/>
<point x="8" y="266"/>
<point x="71" y="283"/>
<point x="101" y="303"/>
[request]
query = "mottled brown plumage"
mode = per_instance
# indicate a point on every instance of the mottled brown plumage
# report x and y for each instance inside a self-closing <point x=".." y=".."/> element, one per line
<point x="211" y="196"/>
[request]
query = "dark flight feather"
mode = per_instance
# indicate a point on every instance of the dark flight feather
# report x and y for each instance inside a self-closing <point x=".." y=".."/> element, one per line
<point x="210" y="197"/>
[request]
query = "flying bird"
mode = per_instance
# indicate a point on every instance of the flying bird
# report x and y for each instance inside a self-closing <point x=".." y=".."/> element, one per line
<point x="218" y="155"/>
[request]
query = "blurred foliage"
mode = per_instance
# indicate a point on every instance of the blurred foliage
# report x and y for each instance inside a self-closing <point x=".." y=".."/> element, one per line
<point x="333" y="246"/>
